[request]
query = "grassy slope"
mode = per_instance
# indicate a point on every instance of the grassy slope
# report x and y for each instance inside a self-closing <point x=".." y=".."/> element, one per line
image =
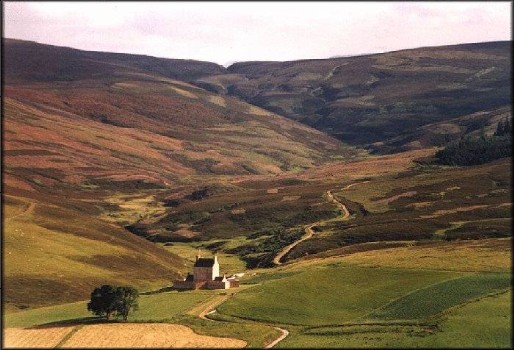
<point x="338" y="291"/>
<point x="484" y="323"/>
<point x="327" y="296"/>
<point x="54" y="255"/>
<point x="434" y="311"/>
<point x="87" y="135"/>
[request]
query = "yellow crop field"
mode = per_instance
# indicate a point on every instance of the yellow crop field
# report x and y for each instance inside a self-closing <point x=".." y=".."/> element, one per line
<point x="138" y="335"/>
<point x="153" y="335"/>
<point x="35" y="337"/>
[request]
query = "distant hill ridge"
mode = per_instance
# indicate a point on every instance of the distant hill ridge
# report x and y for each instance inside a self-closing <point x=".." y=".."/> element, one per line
<point x="92" y="117"/>
<point x="387" y="102"/>
<point x="43" y="62"/>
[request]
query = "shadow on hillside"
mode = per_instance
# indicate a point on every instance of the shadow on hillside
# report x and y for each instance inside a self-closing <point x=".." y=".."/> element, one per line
<point x="75" y="322"/>
<point x="162" y="290"/>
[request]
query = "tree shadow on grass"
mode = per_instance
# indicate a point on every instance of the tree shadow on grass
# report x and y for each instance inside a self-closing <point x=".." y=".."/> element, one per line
<point x="162" y="290"/>
<point x="90" y="320"/>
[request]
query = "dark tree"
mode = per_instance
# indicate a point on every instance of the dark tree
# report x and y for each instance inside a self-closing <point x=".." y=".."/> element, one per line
<point x="103" y="301"/>
<point x="126" y="300"/>
<point x="503" y="128"/>
<point x="474" y="151"/>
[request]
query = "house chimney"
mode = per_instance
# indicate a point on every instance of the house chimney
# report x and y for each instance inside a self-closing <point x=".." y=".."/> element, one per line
<point x="198" y="255"/>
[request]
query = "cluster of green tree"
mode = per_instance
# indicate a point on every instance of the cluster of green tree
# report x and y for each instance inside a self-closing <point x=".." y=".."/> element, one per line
<point x="474" y="151"/>
<point x="111" y="301"/>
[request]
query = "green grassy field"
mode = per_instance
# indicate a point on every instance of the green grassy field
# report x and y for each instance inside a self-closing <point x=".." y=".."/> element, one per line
<point x="329" y="295"/>
<point x="483" y="323"/>
<point x="167" y="307"/>
<point x="157" y="307"/>
<point x="436" y="298"/>
<point x="336" y="303"/>
<point x="255" y="334"/>
<point x="411" y="296"/>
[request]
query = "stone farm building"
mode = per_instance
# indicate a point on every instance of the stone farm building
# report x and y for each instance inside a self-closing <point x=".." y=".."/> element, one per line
<point x="206" y="275"/>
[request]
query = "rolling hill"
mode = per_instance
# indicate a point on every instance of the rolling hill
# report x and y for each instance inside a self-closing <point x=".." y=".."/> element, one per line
<point x="387" y="102"/>
<point x="103" y="116"/>
<point x="91" y="139"/>
<point x="99" y="144"/>
<point x="118" y="168"/>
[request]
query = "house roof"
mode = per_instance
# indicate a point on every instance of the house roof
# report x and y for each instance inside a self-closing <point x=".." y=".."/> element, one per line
<point x="204" y="262"/>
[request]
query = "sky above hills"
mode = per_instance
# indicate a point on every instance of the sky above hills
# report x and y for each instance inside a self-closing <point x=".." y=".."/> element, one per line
<point x="225" y="32"/>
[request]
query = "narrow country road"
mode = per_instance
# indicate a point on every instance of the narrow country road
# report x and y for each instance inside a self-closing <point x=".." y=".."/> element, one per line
<point x="308" y="234"/>
<point x="308" y="229"/>
<point x="346" y="213"/>
<point x="209" y="306"/>
<point x="355" y="183"/>
<point x="206" y="308"/>
<point x="284" y="334"/>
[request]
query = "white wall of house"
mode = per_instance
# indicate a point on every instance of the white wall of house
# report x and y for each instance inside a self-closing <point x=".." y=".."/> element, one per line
<point x="215" y="268"/>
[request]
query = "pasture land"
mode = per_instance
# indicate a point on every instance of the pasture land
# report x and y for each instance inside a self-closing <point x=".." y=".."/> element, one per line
<point x="481" y="323"/>
<point x="436" y="298"/>
<point x="337" y="303"/>
<point x="408" y="296"/>
<point x="257" y="335"/>
<point x="154" y="306"/>
<point x="487" y="255"/>
<point x="328" y="295"/>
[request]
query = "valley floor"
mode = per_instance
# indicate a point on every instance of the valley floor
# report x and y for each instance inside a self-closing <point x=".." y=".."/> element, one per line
<point x="410" y="257"/>
<point x="358" y="300"/>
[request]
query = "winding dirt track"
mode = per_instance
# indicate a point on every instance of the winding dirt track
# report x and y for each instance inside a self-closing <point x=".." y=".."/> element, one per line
<point x="344" y="209"/>
<point x="285" y="333"/>
<point x="355" y="183"/>
<point x="308" y="234"/>
<point x="308" y="229"/>
<point x="211" y="305"/>
<point x="25" y="211"/>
